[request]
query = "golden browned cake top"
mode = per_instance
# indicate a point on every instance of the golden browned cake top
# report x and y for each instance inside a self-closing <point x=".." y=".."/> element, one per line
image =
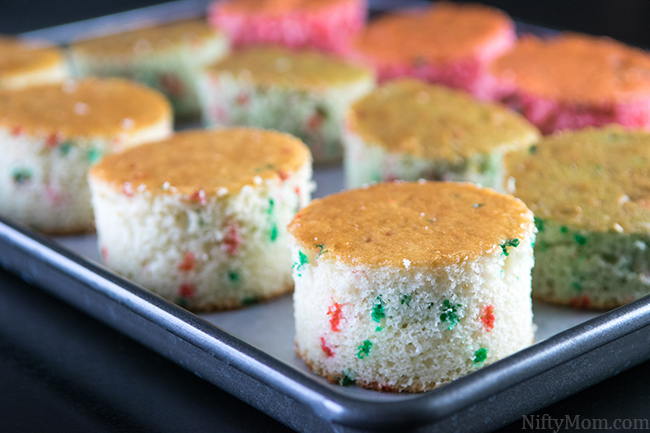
<point x="597" y="180"/>
<point x="86" y="108"/>
<point x="411" y="224"/>
<point x="216" y="162"/>
<point x="430" y="121"/>
<point x="272" y="7"/>
<point x="149" y="40"/>
<point x="19" y="57"/>
<point x="275" y="66"/>
<point x="578" y="68"/>
<point x="442" y="33"/>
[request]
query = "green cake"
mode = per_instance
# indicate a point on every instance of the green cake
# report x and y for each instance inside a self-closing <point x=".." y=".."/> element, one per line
<point x="590" y="192"/>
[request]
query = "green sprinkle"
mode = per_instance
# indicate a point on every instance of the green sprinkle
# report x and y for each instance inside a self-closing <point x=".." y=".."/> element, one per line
<point x="181" y="302"/>
<point x="378" y="311"/>
<point x="480" y="355"/>
<point x="233" y="276"/>
<point x="581" y="240"/>
<point x="322" y="112"/>
<point x="346" y="378"/>
<point x="364" y="349"/>
<point x="321" y="252"/>
<point x="509" y="243"/>
<point x="93" y="155"/>
<point x="266" y="167"/>
<point x="406" y="299"/>
<point x="249" y="300"/>
<point x="430" y="305"/>
<point x="65" y="147"/>
<point x="564" y="229"/>
<point x="270" y="209"/>
<point x="449" y="314"/>
<point x="576" y="285"/>
<point x="303" y="260"/>
<point x="379" y="328"/>
<point x="539" y="224"/>
<point x="478" y="205"/>
<point x="21" y="175"/>
<point x="431" y="221"/>
<point x="274" y="232"/>
<point x="532" y="150"/>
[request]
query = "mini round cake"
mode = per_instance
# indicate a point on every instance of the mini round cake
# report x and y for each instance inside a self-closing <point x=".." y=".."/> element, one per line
<point x="24" y="64"/>
<point x="450" y="44"/>
<point x="303" y="93"/>
<point x="51" y="135"/>
<point x="410" y="130"/>
<point x="573" y="81"/>
<point x="590" y="191"/>
<point x="167" y="58"/>
<point x="325" y="25"/>
<point x="201" y="218"/>
<point x="407" y="286"/>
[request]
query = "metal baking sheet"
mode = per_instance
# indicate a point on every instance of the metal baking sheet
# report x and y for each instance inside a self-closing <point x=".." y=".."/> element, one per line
<point x="249" y="352"/>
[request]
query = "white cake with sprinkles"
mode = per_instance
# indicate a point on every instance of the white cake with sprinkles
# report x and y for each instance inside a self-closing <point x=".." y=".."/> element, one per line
<point x="410" y="130"/>
<point x="303" y="93"/>
<point x="168" y="58"/>
<point x="201" y="218"/>
<point x="51" y="135"/>
<point x="407" y="286"/>
<point x="27" y="63"/>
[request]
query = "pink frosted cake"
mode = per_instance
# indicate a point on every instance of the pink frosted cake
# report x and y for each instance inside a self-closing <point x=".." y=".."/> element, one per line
<point x="322" y="24"/>
<point x="574" y="81"/>
<point x="448" y="44"/>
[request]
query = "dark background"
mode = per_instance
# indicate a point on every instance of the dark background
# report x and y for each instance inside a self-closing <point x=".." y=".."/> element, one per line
<point x="626" y="20"/>
<point x="61" y="371"/>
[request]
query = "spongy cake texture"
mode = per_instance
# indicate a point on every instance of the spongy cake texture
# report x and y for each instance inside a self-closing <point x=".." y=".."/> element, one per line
<point x="51" y="135"/>
<point x="590" y="195"/>
<point x="448" y="43"/>
<point x="410" y="130"/>
<point x="24" y="64"/>
<point x="167" y="58"/>
<point x="201" y="218"/>
<point x="303" y="93"/>
<point x="573" y="81"/>
<point x="407" y="286"/>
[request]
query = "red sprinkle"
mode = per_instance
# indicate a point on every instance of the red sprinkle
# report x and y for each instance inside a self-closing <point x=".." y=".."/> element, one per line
<point x="187" y="290"/>
<point x="16" y="131"/>
<point x="286" y="150"/>
<point x="580" y="302"/>
<point x="53" y="140"/>
<point x="326" y="348"/>
<point x="171" y="84"/>
<point x="199" y="197"/>
<point x="390" y="178"/>
<point x="386" y="388"/>
<point x="232" y="240"/>
<point x="283" y="175"/>
<point x="104" y="252"/>
<point x="242" y="99"/>
<point x="315" y="121"/>
<point x="487" y="317"/>
<point x="336" y="313"/>
<point x="127" y="190"/>
<point x="188" y="263"/>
